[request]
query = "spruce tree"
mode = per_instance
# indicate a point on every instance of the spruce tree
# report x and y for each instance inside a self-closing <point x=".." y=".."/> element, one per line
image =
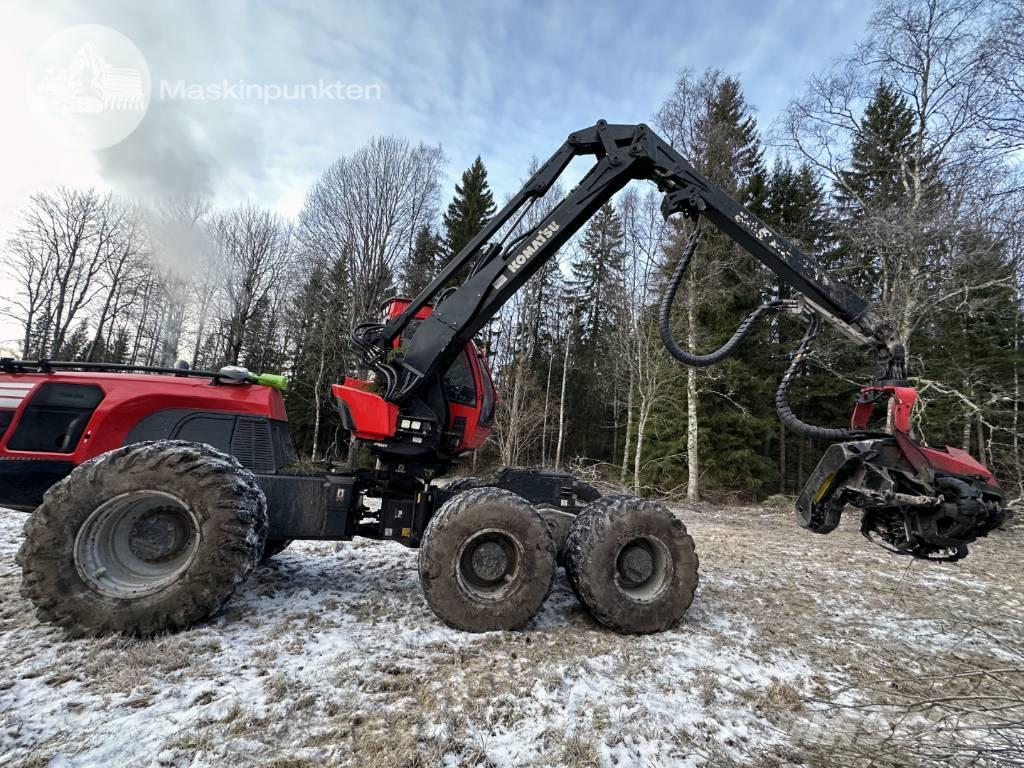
<point x="469" y="211"/>
<point x="736" y="421"/>
<point x="795" y="206"/>
<point x="873" y="194"/>
<point x="598" y="279"/>
<point x="598" y="276"/>
<point x="422" y="264"/>
<point x="76" y="344"/>
<point x="968" y="345"/>
<point x="881" y="156"/>
<point x="117" y="352"/>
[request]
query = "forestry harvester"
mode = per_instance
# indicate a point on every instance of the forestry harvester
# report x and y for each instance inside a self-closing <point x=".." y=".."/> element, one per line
<point x="156" y="491"/>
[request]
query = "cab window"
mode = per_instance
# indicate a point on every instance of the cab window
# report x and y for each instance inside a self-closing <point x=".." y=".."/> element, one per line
<point x="458" y="382"/>
<point x="459" y="385"/>
<point x="408" y="332"/>
<point x="487" y="407"/>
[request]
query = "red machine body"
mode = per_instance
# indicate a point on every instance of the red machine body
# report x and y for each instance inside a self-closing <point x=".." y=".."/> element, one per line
<point x="469" y="395"/>
<point x="373" y="417"/>
<point x="52" y="421"/>
<point x="900" y="401"/>
<point x="124" y="400"/>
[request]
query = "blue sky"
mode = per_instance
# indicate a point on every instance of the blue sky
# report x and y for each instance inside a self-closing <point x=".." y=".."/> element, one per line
<point x="504" y="80"/>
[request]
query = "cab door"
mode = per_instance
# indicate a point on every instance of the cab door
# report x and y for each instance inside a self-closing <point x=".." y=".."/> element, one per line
<point x="471" y="399"/>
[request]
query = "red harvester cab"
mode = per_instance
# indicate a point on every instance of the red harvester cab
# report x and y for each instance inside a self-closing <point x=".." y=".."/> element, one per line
<point x="453" y="417"/>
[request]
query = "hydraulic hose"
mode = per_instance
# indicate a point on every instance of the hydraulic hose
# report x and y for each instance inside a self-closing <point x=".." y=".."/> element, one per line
<point x="665" y="315"/>
<point x="790" y="419"/>
<point x="363" y="339"/>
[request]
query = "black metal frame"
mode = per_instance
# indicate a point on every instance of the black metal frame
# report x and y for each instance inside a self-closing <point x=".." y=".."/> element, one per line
<point x="330" y="506"/>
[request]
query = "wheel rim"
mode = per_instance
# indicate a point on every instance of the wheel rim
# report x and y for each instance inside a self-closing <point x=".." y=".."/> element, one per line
<point x="136" y="544"/>
<point x="643" y="567"/>
<point x="489" y="563"/>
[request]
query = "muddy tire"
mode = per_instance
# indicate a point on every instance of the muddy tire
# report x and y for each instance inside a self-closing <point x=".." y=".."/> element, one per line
<point x="559" y="524"/>
<point x="585" y="492"/>
<point x="632" y="564"/>
<point x="487" y="561"/>
<point x="147" y="538"/>
<point x="274" y="547"/>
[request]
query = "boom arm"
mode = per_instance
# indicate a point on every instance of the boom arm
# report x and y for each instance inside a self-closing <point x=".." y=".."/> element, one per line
<point x="915" y="500"/>
<point x="624" y="153"/>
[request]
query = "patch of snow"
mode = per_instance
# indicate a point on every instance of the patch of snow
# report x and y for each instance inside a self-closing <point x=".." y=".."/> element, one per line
<point x="330" y="651"/>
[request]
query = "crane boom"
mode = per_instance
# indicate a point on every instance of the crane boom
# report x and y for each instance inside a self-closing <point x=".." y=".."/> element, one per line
<point x="916" y="500"/>
<point x="623" y="153"/>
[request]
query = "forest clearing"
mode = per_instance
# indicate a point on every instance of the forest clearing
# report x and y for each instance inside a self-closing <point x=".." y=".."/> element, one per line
<point x="798" y="650"/>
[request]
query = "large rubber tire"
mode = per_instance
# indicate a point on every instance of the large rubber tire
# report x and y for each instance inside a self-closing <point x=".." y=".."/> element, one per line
<point x="216" y="548"/>
<point x="475" y="524"/>
<point x="632" y="564"/>
<point x="274" y="547"/>
<point x="559" y="523"/>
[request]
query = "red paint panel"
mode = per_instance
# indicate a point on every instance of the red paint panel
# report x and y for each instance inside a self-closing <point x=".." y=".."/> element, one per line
<point x="128" y="398"/>
<point x="956" y="461"/>
<point x="902" y="404"/>
<point x="374" y="417"/>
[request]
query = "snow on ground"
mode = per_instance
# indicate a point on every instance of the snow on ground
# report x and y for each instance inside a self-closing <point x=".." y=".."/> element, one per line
<point x="798" y="650"/>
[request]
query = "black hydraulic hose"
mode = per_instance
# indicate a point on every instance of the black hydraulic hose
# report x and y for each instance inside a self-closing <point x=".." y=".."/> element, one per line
<point x="790" y="419"/>
<point x="665" y="315"/>
<point x="373" y="357"/>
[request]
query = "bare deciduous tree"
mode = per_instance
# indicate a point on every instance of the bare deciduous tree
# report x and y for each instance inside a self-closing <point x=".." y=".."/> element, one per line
<point x="1002" y="112"/>
<point x="66" y="243"/>
<point x="256" y="253"/>
<point x="367" y="208"/>
<point x="649" y="369"/>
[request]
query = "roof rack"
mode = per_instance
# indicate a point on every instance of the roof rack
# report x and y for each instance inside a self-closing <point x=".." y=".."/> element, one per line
<point x="10" y="365"/>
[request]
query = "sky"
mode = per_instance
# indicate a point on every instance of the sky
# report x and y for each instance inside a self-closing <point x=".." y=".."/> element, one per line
<point x="506" y="81"/>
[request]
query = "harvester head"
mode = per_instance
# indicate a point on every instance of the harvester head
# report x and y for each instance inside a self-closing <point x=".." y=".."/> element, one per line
<point x="925" y="502"/>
